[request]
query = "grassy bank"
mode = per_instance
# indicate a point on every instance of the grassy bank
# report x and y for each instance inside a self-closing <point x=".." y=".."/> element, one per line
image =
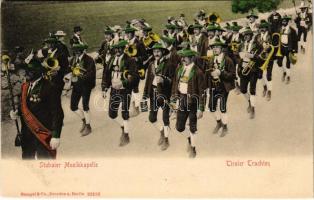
<point x="27" y="24"/>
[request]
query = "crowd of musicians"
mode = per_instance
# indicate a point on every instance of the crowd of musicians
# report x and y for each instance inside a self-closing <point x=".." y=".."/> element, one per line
<point x="186" y="70"/>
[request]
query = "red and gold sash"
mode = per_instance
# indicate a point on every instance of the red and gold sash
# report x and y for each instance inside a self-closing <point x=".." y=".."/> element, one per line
<point x="40" y="131"/>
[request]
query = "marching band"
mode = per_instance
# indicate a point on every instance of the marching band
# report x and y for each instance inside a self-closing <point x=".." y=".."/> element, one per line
<point x="182" y="69"/>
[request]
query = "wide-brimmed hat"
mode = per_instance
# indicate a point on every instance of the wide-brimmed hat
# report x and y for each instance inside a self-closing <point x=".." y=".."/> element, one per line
<point x="79" y="47"/>
<point x="147" y="28"/>
<point x="161" y="47"/>
<point x="200" y="13"/>
<point x="235" y="26"/>
<point x="51" y="40"/>
<point x="77" y="29"/>
<point x="35" y="65"/>
<point x="227" y="26"/>
<point x="218" y="42"/>
<point x="286" y="17"/>
<point x="120" y="44"/>
<point x="108" y="30"/>
<point x="302" y="6"/>
<point x="170" y="26"/>
<point x="247" y="31"/>
<point x="60" y="33"/>
<point x="18" y="49"/>
<point x="185" y="45"/>
<point x="129" y="29"/>
<point x="211" y="27"/>
<point x="196" y="25"/>
<point x="252" y="14"/>
<point x="264" y="24"/>
<point x="168" y="40"/>
<point x="187" y="53"/>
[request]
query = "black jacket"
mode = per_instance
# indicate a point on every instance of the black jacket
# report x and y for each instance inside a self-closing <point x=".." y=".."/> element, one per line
<point x="128" y="64"/>
<point x="48" y="110"/>
<point x="89" y="78"/>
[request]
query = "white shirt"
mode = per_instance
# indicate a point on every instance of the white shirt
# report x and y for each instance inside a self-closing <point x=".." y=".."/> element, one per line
<point x="264" y="36"/>
<point x="253" y="26"/>
<point x="284" y="35"/>
<point x="183" y="86"/>
<point x="235" y="37"/>
<point x="78" y="37"/>
<point x="33" y="84"/>
<point x="154" y="70"/>
<point x="218" y="59"/>
<point x="116" y="75"/>
<point x="131" y="41"/>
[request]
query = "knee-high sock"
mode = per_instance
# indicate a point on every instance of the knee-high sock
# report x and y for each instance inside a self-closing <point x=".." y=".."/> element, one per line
<point x="192" y="136"/>
<point x="284" y="68"/>
<point x="126" y="126"/>
<point x="224" y="118"/>
<point x="217" y="115"/>
<point x="79" y="113"/>
<point x="247" y="96"/>
<point x="253" y="100"/>
<point x="265" y="78"/>
<point x="137" y="99"/>
<point x="87" y="117"/>
<point x="288" y="72"/>
<point x="166" y="131"/>
<point x="269" y="85"/>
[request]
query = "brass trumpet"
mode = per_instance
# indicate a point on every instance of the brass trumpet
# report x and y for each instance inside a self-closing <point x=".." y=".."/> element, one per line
<point x="130" y="50"/>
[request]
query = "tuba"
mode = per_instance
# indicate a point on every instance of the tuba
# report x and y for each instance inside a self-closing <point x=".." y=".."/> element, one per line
<point x="151" y="38"/>
<point x="214" y="18"/>
<point x="276" y="43"/>
<point x="130" y="50"/>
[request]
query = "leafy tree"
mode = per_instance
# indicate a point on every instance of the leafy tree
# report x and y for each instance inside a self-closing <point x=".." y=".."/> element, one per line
<point x="245" y="6"/>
